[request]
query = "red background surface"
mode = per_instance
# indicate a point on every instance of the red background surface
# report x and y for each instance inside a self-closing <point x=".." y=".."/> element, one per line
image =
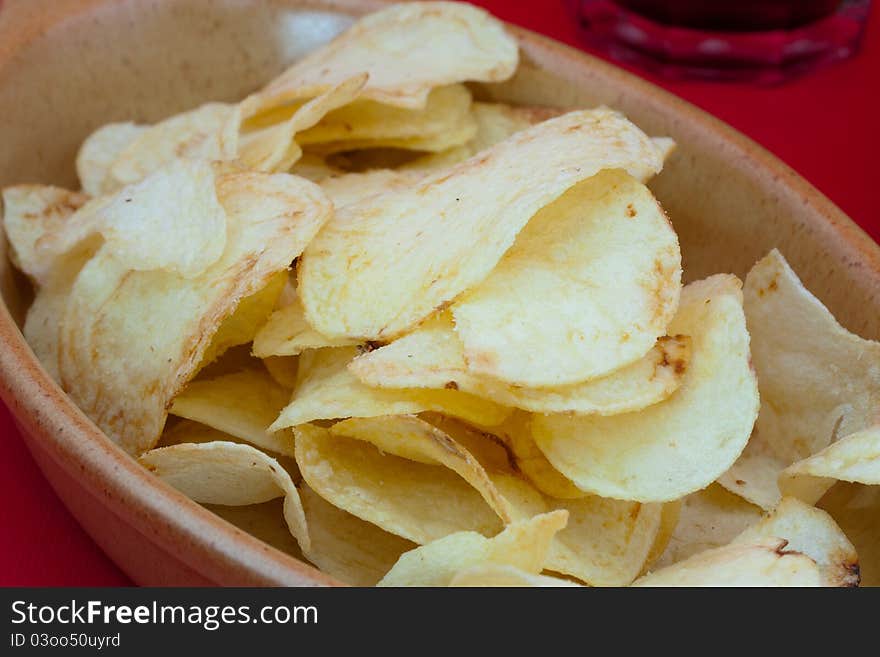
<point x="823" y="125"/>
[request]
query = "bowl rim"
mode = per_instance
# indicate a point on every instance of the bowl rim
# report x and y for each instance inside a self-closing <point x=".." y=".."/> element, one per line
<point x="216" y="547"/>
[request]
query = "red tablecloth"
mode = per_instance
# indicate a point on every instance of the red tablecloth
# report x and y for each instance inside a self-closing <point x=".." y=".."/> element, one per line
<point x="824" y="125"/>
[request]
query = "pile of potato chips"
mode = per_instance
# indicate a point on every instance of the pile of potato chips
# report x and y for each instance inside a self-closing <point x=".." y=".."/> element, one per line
<point x="420" y="339"/>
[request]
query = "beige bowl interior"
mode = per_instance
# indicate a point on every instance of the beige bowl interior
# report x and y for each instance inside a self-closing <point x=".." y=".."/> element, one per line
<point x="69" y="66"/>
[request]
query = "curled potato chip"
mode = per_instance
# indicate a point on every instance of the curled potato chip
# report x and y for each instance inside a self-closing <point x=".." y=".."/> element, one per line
<point x="129" y="340"/>
<point x="499" y="575"/>
<point x="708" y="519"/>
<point x="669" y="517"/>
<point x="856" y="510"/>
<point x="407" y="49"/>
<point x="98" y="153"/>
<point x="171" y="220"/>
<point x="606" y="542"/>
<point x="765" y="563"/>
<point x="29" y="213"/>
<point x="209" y="132"/>
<point x="327" y="390"/>
<point x="812" y="532"/>
<point x="417" y="440"/>
<point x="445" y="121"/>
<point x="587" y="288"/>
<point x="282" y="369"/>
<point x="432" y="356"/>
<point x="353" y="551"/>
<point x="685" y="442"/>
<point x="231" y="474"/>
<point x="242" y="404"/>
<point x="242" y="326"/>
<point x="263" y="521"/>
<point x="274" y="148"/>
<point x="818" y="381"/>
<point x="855" y="458"/>
<point x="287" y="332"/>
<point x="416" y="501"/>
<point x="384" y="264"/>
<point x="523" y="545"/>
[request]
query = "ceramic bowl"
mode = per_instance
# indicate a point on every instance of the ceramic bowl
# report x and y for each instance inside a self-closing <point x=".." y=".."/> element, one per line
<point x="69" y="66"/>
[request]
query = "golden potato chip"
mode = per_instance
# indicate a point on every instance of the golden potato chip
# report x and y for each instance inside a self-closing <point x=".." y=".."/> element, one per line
<point x="142" y="225"/>
<point x="432" y="356"/>
<point x="327" y="390"/>
<point x="588" y="286"/>
<point x="242" y="326"/>
<point x="498" y="575"/>
<point x="130" y="340"/>
<point x="283" y="370"/>
<point x="812" y="532"/>
<point x="180" y="430"/>
<point x="818" y="381"/>
<point x="243" y="405"/>
<point x="353" y="551"/>
<point x="349" y="188"/>
<point x="606" y="542"/>
<point x="855" y="458"/>
<point x="669" y="517"/>
<point x="263" y="521"/>
<point x="29" y="213"/>
<point x="288" y="333"/>
<point x="709" y="519"/>
<point x="856" y="510"/>
<point x="407" y="49"/>
<point x="684" y="443"/>
<point x="98" y="153"/>
<point x="416" y="440"/>
<point x="413" y="500"/>
<point x="231" y="474"/>
<point x="387" y="262"/>
<point x="445" y="121"/>
<point x="274" y="148"/>
<point x="209" y="132"/>
<point x="766" y="563"/>
<point x="523" y="545"/>
<point x="487" y="448"/>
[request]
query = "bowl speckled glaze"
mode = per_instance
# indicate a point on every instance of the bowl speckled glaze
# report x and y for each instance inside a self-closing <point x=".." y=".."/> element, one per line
<point x="69" y="66"/>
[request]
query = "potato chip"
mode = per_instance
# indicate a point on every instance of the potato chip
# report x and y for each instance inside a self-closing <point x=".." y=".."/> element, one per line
<point x="684" y="443"/>
<point x="606" y="542"/>
<point x="142" y="224"/>
<point x="498" y="575"/>
<point x="350" y="188"/>
<point x="264" y="522"/>
<point x="209" y="132"/>
<point x="444" y="122"/>
<point x="314" y="167"/>
<point x="283" y="370"/>
<point x="818" y="381"/>
<point x="587" y="288"/>
<point x="523" y="545"/>
<point x="385" y="263"/>
<point x="274" y="148"/>
<point x="669" y="517"/>
<point x="242" y="326"/>
<point x="327" y="390"/>
<point x="407" y="49"/>
<point x="489" y="450"/>
<point x="29" y="213"/>
<point x="130" y="340"/>
<point x="413" y="500"/>
<point x="243" y="405"/>
<point x="432" y="356"/>
<point x="855" y="458"/>
<point x="709" y="519"/>
<point x="344" y="546"/>
<point x="288" y="333"/>
<point x="856" y="510"/>
<point x="812" y="532"/>
<point x="230" y="474"/>
<point x="98" y="153"/>
<point x="766" y="563"/>
<point x="416" y="440"/>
